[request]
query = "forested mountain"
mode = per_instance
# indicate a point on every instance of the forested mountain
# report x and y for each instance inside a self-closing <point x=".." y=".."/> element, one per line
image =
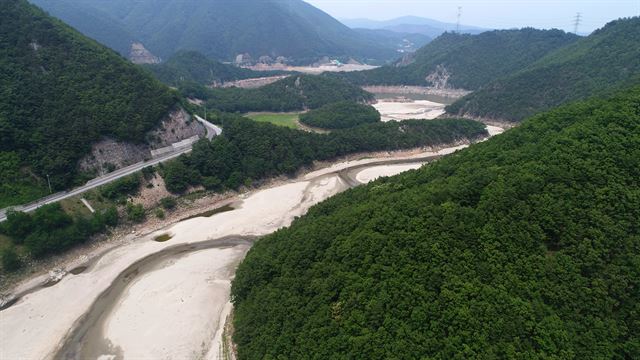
<point x="59" y="93"/>
<point x="91" y="22"/>
<point x="525" y="246"/>
<point x="223" y="29"/>
<point x="467" y="61"/>
<point x="297" y="92"/>
<point x="607" y="59"/>
<point x="191" y="66"/>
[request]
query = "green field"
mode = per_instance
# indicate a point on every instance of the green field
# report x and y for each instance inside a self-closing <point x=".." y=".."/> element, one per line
<point x="281" y="119"/>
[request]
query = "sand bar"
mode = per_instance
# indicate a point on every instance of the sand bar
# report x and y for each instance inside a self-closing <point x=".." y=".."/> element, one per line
<point x="372" y="173"/>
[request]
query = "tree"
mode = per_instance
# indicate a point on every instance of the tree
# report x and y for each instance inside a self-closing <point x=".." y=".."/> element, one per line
<point x="177" y="176"/>
<point x="10" y="259"/>
<point x="18" y="225"/>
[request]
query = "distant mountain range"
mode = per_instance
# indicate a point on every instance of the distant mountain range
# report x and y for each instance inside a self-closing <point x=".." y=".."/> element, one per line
<point x="257" y="29"/>
<point x="596" y="65"/>
<point x="401" y="41"/>
<point x="412" y="25"/>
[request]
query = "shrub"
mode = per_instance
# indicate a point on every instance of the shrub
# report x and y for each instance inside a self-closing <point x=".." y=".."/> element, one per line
<point x="135" y="212"/>
<point x="159" y="213"/>
<point x="168" y="202"/>
<point x="10" y="259"/>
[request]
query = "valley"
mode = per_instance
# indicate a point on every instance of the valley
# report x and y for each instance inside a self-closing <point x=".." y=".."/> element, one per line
<point x="218" y="180"/>
<point x="98" y="308"/>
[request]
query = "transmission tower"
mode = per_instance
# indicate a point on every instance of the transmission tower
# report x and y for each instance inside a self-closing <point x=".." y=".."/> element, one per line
<point x="576" y="23"/>
<point x="459" y="16"/>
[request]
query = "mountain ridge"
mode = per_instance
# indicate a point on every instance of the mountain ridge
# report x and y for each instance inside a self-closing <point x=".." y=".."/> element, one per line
<point x="466" y="61"/>
<point x="413" y="24"/>
<point x="603" y="62"/>
<point x="223" y="30"/>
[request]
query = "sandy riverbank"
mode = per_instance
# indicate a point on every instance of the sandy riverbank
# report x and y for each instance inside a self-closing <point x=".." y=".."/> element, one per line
<point x="40" y="320"/>
<point x="375" y="172"/>
<point x="139" y="314"/>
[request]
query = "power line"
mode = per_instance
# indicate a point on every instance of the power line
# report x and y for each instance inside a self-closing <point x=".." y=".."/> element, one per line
<point x="458" y="22"/>
<point x="576" y="23"/>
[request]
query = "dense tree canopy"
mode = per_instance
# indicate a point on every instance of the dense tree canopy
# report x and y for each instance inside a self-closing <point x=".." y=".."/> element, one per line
<point x="467" y="61"/>
<point x="605" y="60"/>
<point x="59" y="93"/>
<point x="341" y="115"/>
<point x="249" y="151"/>
<point x="297" y="92"/>
<point x="526" y="246"/>
<point x="50" y="229"/>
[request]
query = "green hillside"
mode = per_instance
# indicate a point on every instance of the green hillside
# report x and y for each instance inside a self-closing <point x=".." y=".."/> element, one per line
<point x="249" y="151"/>
<point x="59" y="93"/>
<point x="607" y="59"/>
<point x="467" y="61"/>
<point x="191" y="66"/>
<point x="297" y="92"/>
<point x="224" y="29"/>
<point x="341" y="115"/>
<point x="526" y="246"/>
<point x="91" y="22"/>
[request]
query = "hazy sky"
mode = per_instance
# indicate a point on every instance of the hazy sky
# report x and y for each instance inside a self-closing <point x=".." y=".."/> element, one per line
<point x="489" y="13"/>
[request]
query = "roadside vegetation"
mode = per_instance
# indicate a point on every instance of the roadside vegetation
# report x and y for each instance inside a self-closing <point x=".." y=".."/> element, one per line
<point x="49" y="230"/>
<point x="524" y="246"/>
<point x="57" y="227"/>
<point x="341" y="115"/>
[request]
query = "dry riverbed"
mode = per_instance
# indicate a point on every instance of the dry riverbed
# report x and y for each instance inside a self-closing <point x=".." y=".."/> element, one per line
<point x="313" y="70"/>
<point x="397" y="103"/>
<point x="169" y="300"/>
<point x="394" y="110"/>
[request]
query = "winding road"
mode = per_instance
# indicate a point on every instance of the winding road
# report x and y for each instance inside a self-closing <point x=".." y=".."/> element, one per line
<point x="212" y="131"/>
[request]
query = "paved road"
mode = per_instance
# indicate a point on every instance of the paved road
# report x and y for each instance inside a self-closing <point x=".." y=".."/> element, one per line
<point x="212" y="130"/>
